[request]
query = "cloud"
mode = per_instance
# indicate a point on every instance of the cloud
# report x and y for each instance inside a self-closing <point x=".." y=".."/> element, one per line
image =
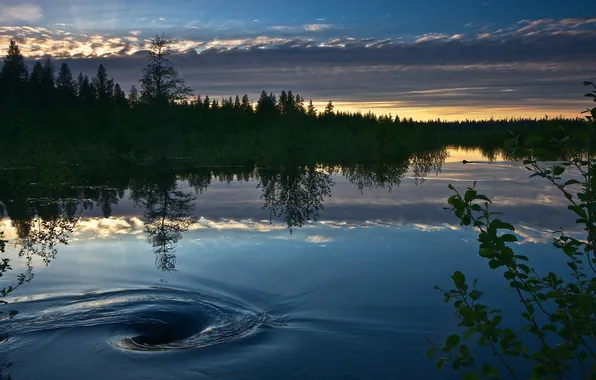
<point x="430" y="37"/>
<point x="20" y="12"/>
<point x="318" y="27"/>
<point x="527" y="69"/>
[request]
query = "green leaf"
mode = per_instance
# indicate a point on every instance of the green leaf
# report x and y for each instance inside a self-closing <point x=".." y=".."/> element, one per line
<point x="483" y="198"/>
<point x="558" y="170"/>
<point x="452" y="341"/>
<point x="475" y="294"/>
<point x="471" y="376"/>
<point x="464" y="350"/>
<point x="498" y="224"/>
<point x="467" y="313"/>
<point x="524" y="267"/>
<point x="509" y="238"/>
<point x="459" y="279"/>
<point x="430" y="352"/>
<point x="572" y="182"/>
<point x="440" y="363"/>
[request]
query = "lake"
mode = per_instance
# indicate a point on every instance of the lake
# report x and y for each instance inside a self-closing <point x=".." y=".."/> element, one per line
<point x="175" y="271"/>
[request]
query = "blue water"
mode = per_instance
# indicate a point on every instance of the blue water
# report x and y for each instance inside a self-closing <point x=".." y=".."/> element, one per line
<point x="348" y="296"/>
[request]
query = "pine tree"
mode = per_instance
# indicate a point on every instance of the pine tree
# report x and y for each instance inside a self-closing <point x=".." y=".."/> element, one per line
<point x="246" y="106"/>
<point x="48" y="76"/>
<point x="311" y="110"/>
<point x="35" y="90"/>
<point x="84" y="89"/>
<point x="103" y="87"/>
<point x="329" y="109"/>
<point x="290" y="106"/>
<point x="14" y="75"/>
<point x="65" y="84"/>
<point x="299" y="104"/>
<point x="282" y="103"/>
<point x="133" y="96"/>
<point x="120" y="98"/>
<point x="237" y="102"/>
<point x="160" y="83"/>
<point x="36" y="76"/>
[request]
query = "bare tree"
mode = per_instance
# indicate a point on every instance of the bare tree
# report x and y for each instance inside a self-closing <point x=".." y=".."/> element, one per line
<point x="161" y="83"/>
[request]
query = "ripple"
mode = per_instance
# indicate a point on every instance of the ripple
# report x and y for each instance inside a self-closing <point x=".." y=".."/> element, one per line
<point x="154" y="319"/>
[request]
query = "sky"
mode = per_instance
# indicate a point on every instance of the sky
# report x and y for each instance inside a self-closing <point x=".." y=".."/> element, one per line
<point x="423" y="59"/>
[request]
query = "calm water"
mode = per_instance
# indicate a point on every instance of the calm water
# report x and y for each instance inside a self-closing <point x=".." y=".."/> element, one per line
<point x="286" y="273"/>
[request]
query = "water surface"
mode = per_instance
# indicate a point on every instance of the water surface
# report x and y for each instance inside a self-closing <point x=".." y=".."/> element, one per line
<point x="186" y="272"/>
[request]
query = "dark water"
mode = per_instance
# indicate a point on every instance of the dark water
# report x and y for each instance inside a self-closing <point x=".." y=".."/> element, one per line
<point x="270" y="273"/>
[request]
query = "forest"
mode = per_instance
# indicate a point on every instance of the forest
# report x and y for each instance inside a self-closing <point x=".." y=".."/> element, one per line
<point x="51" y="114"/>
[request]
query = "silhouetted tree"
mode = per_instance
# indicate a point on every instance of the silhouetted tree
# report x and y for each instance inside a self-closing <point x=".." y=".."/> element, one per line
<point x="103" y="88"/>
<point x="246" y="106"/>
<point x="311" y="110"/>
<point x="266" y="106"/>
<point x="329" y="109"/>
<point x="120" y="98"/>
<point x="299" y="104"/>
<point x="84" y="89"/>
<point x="133" y="96"/>
<point x="160" y="83"/>
<point x="66" y="84"/>
<point x="48" y="76"/>
<point x="13" y="75"/>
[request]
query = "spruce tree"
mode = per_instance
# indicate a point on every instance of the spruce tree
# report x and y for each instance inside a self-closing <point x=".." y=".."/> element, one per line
<point x="133" y="96"/>
<point x="311" y="110"/>
<point x="65" y="82"/>
<point x="246" y="106"/>
<point x="14" y="75"/>
<point x="103" y="87"/>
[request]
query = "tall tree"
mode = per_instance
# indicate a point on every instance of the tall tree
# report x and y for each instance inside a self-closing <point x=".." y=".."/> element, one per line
<point x="266" y="105"/>
<point x="282" y="103"/>
<point x="133" y="96"/>
<point x="65" y="82"/>
<point x="120" y="98"/>
<point x="160" y="83"/>
<point x="299" y="104"/>
<point x="48" y="76"/>
<point x="329" y="109"/>
<point x="311" y="110"/>
<point x="13" y="75"/>
<point x="246" y="106"/>
<point x="84" y="90"/>
<point x="102" y="86"/>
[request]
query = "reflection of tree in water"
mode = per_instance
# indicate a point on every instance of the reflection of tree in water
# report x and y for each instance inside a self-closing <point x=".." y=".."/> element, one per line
<point x="294" y="193"/>
<point x="167" y="215"/>
<point x="423" y="163"/>
<point x="381" y="176"/>
<point x="51" y="225"/>
<point x="389" y="175"/>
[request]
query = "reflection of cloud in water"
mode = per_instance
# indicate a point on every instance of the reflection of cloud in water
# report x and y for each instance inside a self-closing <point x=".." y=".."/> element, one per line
<point x="440" y="227"/>
<point x="319" y="239"/>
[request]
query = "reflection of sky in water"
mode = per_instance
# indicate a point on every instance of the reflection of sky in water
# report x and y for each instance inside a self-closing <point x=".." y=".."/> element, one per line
<point x="359" y="280"/>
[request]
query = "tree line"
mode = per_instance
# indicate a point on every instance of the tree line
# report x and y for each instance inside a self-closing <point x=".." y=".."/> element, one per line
<point x="58" y="115"/>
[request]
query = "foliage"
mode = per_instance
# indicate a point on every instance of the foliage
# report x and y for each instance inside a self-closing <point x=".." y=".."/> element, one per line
<point x="558" y="339"/>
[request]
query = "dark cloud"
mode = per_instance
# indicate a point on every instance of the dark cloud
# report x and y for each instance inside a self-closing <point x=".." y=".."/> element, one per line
<point x="533" y="65"/>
